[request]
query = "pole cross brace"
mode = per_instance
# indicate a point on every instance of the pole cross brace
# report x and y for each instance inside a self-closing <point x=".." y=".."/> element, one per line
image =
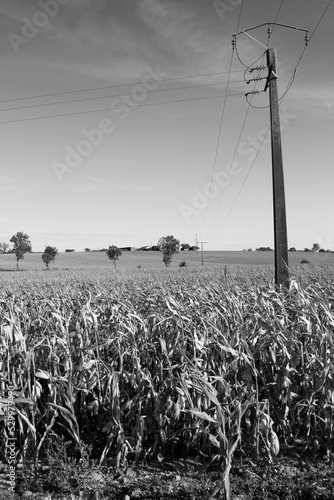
<point x="271" y="76"/>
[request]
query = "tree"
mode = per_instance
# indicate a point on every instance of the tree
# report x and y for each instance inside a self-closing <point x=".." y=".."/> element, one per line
<point x="21" y="245"/>
<point x="316" y="247"/>
<point x="4" y="247"/>
<point x="168" y="245"/>
<point x="292" y="249"/>
<point x="87" y="249"/>
<point x="184" y="246"/>
<point x="49" y="255"/>
<point x="113" y="253"/>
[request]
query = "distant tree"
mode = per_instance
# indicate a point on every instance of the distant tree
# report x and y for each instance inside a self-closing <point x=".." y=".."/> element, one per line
<point x="69" y="250"/>
<point x="113" y="253"/>
<point x="184" y="246"/>
<point x="4" y="247"/>
<point x="168" y="246"/>
<point x="193" y="248"/>
<point x="322" y="250"/>
<point x="316" y="247"/>
<point x="292" y="249"/>
<point x="87" y="249"/>
<point x="264" y="249"/>
<point x="307" y="250"/>
<point x="21" y="245"/>
<point x="49" y="255"/>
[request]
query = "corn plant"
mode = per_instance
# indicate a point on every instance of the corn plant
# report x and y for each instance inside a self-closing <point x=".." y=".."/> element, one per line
<point x="162" y="362"/>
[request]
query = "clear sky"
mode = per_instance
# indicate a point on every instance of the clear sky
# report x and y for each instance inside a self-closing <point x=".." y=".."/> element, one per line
<point x="136" y="156"/>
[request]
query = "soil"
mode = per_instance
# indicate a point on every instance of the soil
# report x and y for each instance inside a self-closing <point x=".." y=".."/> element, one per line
<point x="288" y="478"/>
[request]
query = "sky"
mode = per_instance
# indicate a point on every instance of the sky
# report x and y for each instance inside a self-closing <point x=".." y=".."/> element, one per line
<point x="123" y="121"/>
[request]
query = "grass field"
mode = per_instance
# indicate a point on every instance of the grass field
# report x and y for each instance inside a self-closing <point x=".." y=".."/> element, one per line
<point x="163" y="364"/>
<point x="153" y="260"/>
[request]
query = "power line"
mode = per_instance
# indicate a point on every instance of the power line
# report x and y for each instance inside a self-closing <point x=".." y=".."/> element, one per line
<point x="119" y="107"/>
<point x="240" y="12"/>
<point x="242" y="185"/>
<point x="279" y="10"/>
<point x="307" y="40"/>
<point x="115" y="95"/>
<point x="246" y="115"/>
<point x="202" y="252"/>
<point x="314" y="30"/>
<point x="217" y="148"/>
<point x="221" y="120"/>
<point x="114" y="86"/>
<point x="283" y="95"/>
<point x="281" y="100"/>
<point x="235" y="152"/>
<point x="321" y="18"/>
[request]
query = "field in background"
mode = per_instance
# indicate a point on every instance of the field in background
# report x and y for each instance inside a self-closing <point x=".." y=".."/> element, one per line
<point x="153" y="260"/>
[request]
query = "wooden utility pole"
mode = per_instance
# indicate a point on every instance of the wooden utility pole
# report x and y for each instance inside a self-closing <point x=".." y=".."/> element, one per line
<point x="202" y="243"/>
<point x="280" y="230"/>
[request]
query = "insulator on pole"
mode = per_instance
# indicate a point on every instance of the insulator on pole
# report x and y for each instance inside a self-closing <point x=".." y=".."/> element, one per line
<point x="257" y="68"/>
<point x="253" y="92"/>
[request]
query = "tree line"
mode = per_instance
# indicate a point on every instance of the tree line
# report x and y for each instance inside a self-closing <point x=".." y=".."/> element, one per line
<point x="22" y="245"/>
<point x="168" y="245"/>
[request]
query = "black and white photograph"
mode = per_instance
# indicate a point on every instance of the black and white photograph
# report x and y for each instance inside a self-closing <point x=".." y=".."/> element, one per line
<point x="167" y="249"/>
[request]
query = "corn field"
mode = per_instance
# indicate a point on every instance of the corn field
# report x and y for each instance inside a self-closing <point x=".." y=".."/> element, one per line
<point x="169" y="363"/>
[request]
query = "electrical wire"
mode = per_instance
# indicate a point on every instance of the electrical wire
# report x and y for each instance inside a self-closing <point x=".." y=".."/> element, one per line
<point x="292" y="79"/>
<point x="279" y="10"/>
<point x="242" y="185"/>
<point x="235" y="152"/>
<point x="292" y="32"/>
<point x="115" y="86"/>
<point x="269" y="35"/>
<point x="238" y="57"/>
<point x="221" y="120"/>
<point x="119" y="107"/>
<point x="240" y="13"/>
<point x="228" y="173"/>
<point x="321" y="18"/>
<point x="314" y="30"/>
<point x="281" y="100"/>
<point x="248" y="173"/>
<point x="217" y="148"/>
<point x="245" y="119"/>
<point x="115" y="95"/>
<point x="236" y="148"/>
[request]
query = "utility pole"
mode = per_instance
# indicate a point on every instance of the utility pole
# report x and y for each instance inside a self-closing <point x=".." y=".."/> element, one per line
<point x="202" y="243"/>
<point x="196" y="242"/>
<point x="280" y="230"/>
